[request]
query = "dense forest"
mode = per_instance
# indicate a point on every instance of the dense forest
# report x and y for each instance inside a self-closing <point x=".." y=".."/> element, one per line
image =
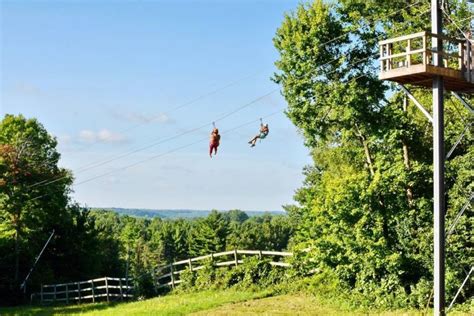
<point x="362" y="220"/>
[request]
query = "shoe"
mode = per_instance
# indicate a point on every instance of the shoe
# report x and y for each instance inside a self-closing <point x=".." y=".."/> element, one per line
<point x="253" y="145"/>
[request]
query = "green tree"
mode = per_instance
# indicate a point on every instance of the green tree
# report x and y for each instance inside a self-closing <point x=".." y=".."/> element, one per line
<point x="209" y="234"/>
<point x="364" y="210"/>
<point x="31" y="205"/>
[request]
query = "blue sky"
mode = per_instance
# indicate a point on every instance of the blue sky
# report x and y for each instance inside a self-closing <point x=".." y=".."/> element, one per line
<point x="106" y="77"/>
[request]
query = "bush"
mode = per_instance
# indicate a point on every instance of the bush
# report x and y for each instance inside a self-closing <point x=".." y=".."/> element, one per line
<point x="206" y="276"/>
<point x="254" y="272"/>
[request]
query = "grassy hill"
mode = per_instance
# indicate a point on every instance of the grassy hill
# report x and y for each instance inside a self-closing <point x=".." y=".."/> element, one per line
<point x="228" y="302"/>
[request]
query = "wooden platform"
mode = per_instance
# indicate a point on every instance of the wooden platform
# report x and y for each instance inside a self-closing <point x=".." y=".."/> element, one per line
<point x="409" y="60"/>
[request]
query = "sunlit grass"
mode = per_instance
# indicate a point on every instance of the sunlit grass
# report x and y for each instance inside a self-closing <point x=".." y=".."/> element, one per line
<point x="173" y="304"/>
<point x="219" y="303"/>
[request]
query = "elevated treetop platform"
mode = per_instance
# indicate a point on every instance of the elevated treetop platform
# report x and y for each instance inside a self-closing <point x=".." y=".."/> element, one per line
<point x="409" y="60"/>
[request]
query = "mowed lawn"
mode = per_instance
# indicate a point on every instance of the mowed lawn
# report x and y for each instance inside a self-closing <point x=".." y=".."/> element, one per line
<point x="301" y="305"/>
<point x="229" y="302"/>
<point x="173" y="304"/>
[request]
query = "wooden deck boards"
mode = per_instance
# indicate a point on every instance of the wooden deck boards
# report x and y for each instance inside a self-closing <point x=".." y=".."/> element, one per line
<point x="422" y="75"/>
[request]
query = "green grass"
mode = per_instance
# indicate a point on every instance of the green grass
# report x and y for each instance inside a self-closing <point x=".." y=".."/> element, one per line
<point x="302" y="305"/>
<point x="218" y="303"/>
<point x="173" y="304"/>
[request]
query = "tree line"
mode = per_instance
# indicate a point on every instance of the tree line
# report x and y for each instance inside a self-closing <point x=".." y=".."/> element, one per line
<point x="34" y="201"/>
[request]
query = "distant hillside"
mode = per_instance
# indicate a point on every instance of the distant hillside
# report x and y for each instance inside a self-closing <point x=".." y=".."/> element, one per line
<point x="174" y="214"/>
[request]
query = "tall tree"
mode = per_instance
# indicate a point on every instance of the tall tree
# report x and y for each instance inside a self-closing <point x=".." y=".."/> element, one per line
<point x="30" y="205"/>
<point x="364" y="210"/>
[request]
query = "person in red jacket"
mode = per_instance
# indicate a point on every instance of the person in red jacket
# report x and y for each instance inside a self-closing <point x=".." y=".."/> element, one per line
<point x="214" y="141"/>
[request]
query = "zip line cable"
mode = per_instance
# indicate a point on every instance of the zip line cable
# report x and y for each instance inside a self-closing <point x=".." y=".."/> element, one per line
<point x="94" y="165"/>
<point x="181" y="147"/>
<point x="390" y="14"/>
<point x="163" y="154"/>
<point x="161" y="141"/>
<point x="222" y="117"/>
<point x="43" y="183"/>
<point x="455" y="24"/>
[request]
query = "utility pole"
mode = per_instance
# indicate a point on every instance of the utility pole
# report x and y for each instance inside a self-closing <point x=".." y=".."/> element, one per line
<point x="438" y="164"/>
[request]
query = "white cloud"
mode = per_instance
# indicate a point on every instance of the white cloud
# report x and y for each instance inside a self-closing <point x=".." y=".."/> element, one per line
<point x="27" y="89"/>
<point x="87" y="136"/>
<point x="103" y="136"/>
<point x="143" y="118"/>
<point x="64" y="139"/>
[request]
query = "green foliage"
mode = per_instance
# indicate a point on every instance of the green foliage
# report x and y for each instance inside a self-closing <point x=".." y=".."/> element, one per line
<point x="364" y="212"/>
<point x="206" y="276"/>
<point x="253" y="273"/>
<point x="33" y="202"/>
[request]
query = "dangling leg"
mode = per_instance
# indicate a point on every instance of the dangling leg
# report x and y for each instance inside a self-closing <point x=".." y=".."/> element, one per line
<point x="253" y="141"/>
<point x="210" y="150"/>
<point x="215" y="150"/>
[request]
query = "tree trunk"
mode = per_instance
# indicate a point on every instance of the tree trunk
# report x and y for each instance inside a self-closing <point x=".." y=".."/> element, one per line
<point x="368" y="157"/>
<point x="406" y="157"/>
<point x="17" y="253"/>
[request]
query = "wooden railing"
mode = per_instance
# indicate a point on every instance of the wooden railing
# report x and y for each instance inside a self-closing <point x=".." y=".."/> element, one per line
<point x="416" y="49"/>
<point x="91" y="291"/>
<point x="168" y="275"/>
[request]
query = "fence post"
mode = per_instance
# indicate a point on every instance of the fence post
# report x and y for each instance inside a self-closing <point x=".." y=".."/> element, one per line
<point x="121" y="291"/>
<point x="79" y="291"/>
<point x="153" y="274"/>
<point x="54" y="293"/>
<point x="260" y="254"/>
<point x="190" y="265"/>
<point x="236" y="257"/>
<point x="41" y="293"/>
<point x="409" y="53"/>
<point x="468" y="54"/>
<point x="93" y="292"/>
<point x="107" y="288"/>
<point x="425" y="55"/>
<point x="172" y="275"/>
<point x="67" y="294"/>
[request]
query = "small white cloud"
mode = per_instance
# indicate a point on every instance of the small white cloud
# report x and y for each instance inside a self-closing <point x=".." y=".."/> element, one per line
<point x="64" y="139"/>
<point x="87" y="136"/>
<point x="143" y="118"/>
<point x="103" y="136"/>
<point x="27" y="89"/>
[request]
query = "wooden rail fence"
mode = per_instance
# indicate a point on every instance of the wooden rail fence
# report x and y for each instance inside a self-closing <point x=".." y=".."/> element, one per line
<point x="168" y="275"/>
<point x="91" y="291"/>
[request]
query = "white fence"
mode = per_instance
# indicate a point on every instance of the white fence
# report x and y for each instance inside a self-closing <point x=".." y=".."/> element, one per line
<point x="85" y="291"/>
<point x="168" y="275"/>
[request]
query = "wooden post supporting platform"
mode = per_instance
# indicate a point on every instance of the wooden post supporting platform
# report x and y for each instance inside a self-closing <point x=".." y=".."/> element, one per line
<point x="438" y="164"/>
